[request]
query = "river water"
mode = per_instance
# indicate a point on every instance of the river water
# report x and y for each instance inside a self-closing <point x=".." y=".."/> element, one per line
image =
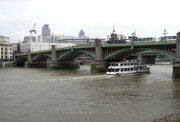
<point x="45" y="95"/>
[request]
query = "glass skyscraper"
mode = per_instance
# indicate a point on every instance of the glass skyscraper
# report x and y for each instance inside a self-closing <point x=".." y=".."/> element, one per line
<point x="45" y="30"/>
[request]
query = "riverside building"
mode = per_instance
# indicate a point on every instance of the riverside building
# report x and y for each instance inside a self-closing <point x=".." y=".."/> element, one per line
<point x="35" y="46"/>
<point x="5" y="49"/>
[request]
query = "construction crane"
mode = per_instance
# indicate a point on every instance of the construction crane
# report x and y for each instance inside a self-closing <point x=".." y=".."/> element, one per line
<point x="33" y="30"/>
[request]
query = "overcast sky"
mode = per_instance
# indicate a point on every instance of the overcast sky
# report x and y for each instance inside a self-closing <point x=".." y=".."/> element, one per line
<point x="95" y="17"/>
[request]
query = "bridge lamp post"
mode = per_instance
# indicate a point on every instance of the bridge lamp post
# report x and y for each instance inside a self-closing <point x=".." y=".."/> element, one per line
<point x="165" y="33"/>
<point x="132" y="43"/>
<point x="132" y="40"/>
<point x="40" y="48"/>
<point x="72" y="48"/>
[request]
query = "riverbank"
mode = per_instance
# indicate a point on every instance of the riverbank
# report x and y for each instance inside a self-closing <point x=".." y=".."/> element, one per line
<point x="169" y="118"/>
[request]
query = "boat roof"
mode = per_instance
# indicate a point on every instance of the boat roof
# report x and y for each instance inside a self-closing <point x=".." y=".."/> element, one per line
<point x="127" y="61"/>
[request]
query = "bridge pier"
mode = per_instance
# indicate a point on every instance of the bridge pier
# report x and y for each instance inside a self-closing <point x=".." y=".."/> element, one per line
<point x="140" y="58"/>
<point x="53" y="53"/>
<point x="98" y="65"/>
<point x="29" y="64"/>
<point x="29" y="56"/>
<point x="176" y="63"/>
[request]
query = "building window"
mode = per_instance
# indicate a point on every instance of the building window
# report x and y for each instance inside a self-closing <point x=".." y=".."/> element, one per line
<point x="1" y="57"/>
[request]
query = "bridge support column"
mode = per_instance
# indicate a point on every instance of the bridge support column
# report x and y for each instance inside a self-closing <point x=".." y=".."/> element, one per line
<point x="176" y="63"/>
<point x="29" y="62"/>
<point x="53" y="53"/>
<point x="29" y="56"/>
<point x="140" y="57"/>
<point x="98" y="65"/>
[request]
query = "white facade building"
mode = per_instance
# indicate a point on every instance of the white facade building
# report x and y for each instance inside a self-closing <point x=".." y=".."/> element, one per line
<point x="5" y="48"/>
<point x="33" y="46"/>
<point x="5" y="39"/>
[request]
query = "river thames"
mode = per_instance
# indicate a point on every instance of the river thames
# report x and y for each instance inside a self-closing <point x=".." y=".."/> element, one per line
<point x="46" y="95"/>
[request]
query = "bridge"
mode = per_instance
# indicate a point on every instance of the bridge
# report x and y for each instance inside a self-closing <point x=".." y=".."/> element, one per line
<point x="65" y="58"/>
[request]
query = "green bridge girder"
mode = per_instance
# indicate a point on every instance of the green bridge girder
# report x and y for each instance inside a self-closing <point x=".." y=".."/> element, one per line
<point x="78" y="51"/>
<point x="121" y="48"/>
<point x="140" y="49"/>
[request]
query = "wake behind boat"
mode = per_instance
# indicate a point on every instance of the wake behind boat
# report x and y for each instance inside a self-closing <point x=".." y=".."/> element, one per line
<point x="126" y="68"/>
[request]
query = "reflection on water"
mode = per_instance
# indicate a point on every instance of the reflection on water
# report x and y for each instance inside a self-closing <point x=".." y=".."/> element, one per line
<point x="41" y="95"/>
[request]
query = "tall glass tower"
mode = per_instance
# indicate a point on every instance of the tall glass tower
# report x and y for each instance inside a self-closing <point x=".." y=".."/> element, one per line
<point x="45" y="30"/>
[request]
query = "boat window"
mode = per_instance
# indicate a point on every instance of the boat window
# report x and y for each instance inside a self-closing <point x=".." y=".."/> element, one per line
<point x="131" y="63"/>
<point x="125" y="64"/>
<point x="131" y="69"/>
<point x="125" y="69"/>
<point x="116" y="70"/>
<point x="122" y="70"/>
<point x="134" y="63"/>
<point x="121" y="64"/>
<point x="109" y="70"/>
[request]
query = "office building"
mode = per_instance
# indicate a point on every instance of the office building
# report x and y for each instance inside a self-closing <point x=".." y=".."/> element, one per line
<point x="45" y="30"/>
<point x="81" y="34"/>
<point x="44" y="39"/>
<point x="29" y="39"/>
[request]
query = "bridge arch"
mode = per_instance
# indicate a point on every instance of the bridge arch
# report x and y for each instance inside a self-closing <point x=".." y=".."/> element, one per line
<point x="41" y="57"/>
<point x="71" y="55"/>
<point x="21" y="60"/>
<point x="136" y="50"/>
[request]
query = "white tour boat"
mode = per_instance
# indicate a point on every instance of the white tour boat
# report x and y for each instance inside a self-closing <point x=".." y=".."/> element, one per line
<point x="127" y="67"/>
